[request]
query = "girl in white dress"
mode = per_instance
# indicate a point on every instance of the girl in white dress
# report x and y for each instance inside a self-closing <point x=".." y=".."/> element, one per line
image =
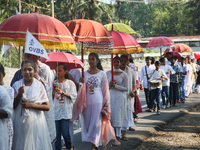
<point x="5" y="112"/>
<point x="93" y="115"/>
<point x="118" y="93"/>
<point x="63" y="105"/>
<point x="29" y="123"/>
<point x="10" y="91"/>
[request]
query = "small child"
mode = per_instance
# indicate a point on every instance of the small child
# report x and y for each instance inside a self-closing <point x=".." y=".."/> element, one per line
<point x="157" y="74"/>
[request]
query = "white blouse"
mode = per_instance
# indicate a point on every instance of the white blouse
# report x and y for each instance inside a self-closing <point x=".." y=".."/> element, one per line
<point x="63" y="106"/>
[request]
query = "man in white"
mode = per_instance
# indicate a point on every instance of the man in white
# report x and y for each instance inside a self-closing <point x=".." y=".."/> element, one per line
<point x="157" y="75"/>
<point x="144" y="77"/>
<point x="165" y="84"/>
<point x="132" y="91"/>
<point x="45" y="76"/>
<point x="182" y="84"/>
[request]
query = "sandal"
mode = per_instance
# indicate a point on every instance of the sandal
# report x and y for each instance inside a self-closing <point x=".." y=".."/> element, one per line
<point x="135" y="120"/>
<point x="117" y="143"/>
<point x="124" y="138"/>
<point x="131" y="129"/>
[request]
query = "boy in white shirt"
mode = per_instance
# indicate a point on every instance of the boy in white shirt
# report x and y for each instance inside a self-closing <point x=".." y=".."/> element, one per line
<point x="157" y="74"/>
<point x="165" y="84"/>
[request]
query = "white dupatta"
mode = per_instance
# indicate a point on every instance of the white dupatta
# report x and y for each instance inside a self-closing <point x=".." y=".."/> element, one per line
<point x="34" y="94"/>
<point x="130" y="100"/>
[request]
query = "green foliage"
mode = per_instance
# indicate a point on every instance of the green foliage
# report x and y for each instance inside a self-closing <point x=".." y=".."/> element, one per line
<point x="151" y="51"/>
<point x="5" y="62"/>
<point x="10" y="58"/>
<point x="177" y="18"/>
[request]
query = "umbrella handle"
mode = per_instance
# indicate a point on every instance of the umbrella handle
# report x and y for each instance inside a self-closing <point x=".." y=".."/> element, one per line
<point x="112" y="67"/>
<point x="82" y="59"/>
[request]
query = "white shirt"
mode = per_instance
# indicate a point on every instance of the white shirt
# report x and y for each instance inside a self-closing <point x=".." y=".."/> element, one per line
<point x="184" y="69"/>
<point x="157" y="75"/>
<point x="63" y="108"/>
<point x="143" y="76"/>
<point x="76" y="74"/>
<point x="167" y="68"/>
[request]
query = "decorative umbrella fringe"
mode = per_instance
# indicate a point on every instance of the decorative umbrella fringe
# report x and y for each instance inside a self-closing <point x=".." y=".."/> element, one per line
<point x="115" y="51"/>
<point x="46" y="44"/>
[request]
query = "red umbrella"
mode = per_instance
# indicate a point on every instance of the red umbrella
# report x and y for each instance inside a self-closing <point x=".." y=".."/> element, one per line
<point x="60" y="57"/>
<point x="124" y="44"/>
<point x="88" y="30"/>
<point x="195" y="55"/>
<point x="176" y="54"/>
<point x="181" y="48"/>
<point x="93" y="35"/>
<point x="50" y="32"/>
<point x="160" y="42"/>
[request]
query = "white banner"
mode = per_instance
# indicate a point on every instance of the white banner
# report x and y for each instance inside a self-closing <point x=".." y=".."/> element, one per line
<point x="33" y="46"/>
<point x="4" y="49"/>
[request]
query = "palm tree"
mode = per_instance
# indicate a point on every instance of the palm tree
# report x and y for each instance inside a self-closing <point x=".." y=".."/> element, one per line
<point x="93" y="9"/>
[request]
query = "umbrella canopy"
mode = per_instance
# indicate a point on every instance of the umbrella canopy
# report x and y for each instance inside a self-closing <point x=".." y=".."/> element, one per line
<point x="120" y="27"/>
<point x="181" y="48"/>
<point x="95" y="36"/>
<point x="50" y="32"/>
<point x="175" y="54"/>
<point x="160" y="42"/>
<point x="125" y="43"/>
<point x="60" y="57"/>
<point x="194" y="56"/>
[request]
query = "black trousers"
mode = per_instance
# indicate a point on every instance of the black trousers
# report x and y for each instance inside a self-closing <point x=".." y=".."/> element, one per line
<point x="148" y="98"/>
<point x="173" y="92"/>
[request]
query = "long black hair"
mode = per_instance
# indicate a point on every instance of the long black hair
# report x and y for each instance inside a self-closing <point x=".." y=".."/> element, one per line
<point x="64" y="66"/>
<point x="2" y="69"/>
<point x="99" y="66"/>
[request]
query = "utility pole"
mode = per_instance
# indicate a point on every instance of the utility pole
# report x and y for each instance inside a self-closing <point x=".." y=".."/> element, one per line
<point x="52" y="9"/>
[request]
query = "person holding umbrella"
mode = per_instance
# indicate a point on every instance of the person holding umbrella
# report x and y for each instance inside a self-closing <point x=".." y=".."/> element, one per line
<point x="132" y="92"/>
<point x="118" y="89"/>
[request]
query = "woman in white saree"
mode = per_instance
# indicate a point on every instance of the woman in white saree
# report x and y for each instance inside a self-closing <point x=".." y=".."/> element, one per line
<point x="5" y="112"/>
<point x="29" y="123"/>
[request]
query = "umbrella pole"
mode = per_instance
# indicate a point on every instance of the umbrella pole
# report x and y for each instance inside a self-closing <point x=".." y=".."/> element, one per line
<point x="82" y="59"/>
<point x="112" y="67"/>
<point x="160" y="52"/>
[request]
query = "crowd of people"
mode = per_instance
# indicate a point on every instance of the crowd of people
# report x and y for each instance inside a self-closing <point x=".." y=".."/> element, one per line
<point x="41" y="108"/>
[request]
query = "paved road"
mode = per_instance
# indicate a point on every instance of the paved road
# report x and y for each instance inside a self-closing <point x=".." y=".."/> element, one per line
<point x="146" y="125"/>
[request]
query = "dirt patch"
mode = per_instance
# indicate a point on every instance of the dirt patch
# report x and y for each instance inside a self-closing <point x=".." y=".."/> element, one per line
<point x="181" y="134"/>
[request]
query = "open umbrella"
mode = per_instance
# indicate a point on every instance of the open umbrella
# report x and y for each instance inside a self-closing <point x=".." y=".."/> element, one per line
<point x="120" y="27"/>
<point x="124" y="44"/>
<point x="194" y="56"/>
<point x="175" y="54"/>
<point x="181" y="48"/>
<point x="93" y="35"/>
<point x="60" y="57"/>
<point x="50" y="32"/>
<point x="160" y="42"/>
